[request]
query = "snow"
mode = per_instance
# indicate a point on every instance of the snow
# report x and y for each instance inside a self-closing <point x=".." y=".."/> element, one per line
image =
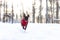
<point x="34" y="31"/>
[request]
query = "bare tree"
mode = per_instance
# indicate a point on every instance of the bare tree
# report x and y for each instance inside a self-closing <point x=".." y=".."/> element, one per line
<point x="51" y="2"/>
<point x="40" y="16"/>
<point x="12" y="13"/>
<point x="4" y="11"/>
<point x="34" y="12"/>
<point x="46" y="11"/>
<point x="57" y="10"/>
<point x="0" y="9"/>
<point x="53" y="10"/>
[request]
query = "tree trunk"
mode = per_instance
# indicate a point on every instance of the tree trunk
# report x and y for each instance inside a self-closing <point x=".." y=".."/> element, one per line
<point x="57" y="10"/>
<point x="46" y="11"/>
<point x="33" y="14"/>
<point x="40" y="16"/>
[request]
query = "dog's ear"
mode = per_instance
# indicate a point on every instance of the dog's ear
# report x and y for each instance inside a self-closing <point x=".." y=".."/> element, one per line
<point x="28" y="15"/>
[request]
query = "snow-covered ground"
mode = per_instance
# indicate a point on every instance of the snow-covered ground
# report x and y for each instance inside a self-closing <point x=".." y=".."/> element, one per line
<point x="34" y="31"/>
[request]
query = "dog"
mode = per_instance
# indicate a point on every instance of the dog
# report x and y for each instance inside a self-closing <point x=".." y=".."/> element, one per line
<point x="24" y="21"/>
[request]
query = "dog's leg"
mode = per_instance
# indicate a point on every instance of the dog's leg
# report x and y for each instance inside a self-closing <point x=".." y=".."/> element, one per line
<point x="25" y="27"/>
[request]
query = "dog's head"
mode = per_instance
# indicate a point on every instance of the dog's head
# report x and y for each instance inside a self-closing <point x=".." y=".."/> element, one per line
<point x="26" y="17"/>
